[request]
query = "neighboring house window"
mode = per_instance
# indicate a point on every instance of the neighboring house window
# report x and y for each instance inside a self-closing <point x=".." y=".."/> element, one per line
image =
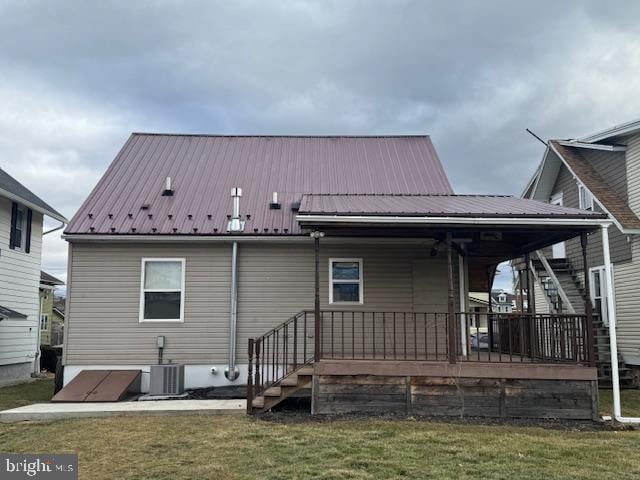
<point x="44" y="321"/>
<point x="502" y="298"/>
<point x="20" y="236"/>
<point x="162" y="291"/>
<point x="598" y="293"/>
<point x="585" y="198"/>
<point x="345" y="280"/>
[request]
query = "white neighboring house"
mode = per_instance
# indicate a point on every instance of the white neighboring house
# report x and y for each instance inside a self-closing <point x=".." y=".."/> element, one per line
<point x="21" y="229"/>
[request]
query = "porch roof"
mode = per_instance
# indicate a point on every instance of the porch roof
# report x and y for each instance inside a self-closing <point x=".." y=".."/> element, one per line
<point x="485" y="206"/>
<point x="493" y="229"/>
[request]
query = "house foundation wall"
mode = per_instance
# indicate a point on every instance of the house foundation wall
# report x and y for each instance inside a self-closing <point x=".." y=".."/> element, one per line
<point x="15" y="372"/>
<point x="195" y="376"/>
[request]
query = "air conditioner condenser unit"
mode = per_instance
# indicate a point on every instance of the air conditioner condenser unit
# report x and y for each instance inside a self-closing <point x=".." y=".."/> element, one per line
<point x="167" y="379"/>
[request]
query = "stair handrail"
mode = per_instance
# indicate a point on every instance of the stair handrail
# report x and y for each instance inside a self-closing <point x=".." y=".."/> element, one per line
<point x="267" y="348"/>
<point x="554" y="279"/>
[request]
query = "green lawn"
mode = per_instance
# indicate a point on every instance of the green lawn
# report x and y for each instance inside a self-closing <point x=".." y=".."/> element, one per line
<point x="629" y="400"/>
<point x="238" y="447"/>
<point x="26" y="393"/>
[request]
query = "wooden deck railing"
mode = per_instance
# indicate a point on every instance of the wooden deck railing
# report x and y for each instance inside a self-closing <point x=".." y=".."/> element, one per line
<point x="417" y="336"/>
<point x="522" y="337"/>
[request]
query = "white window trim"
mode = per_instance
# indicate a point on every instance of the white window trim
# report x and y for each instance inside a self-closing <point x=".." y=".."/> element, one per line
<point x="582" y="188"/>
<point x="360" y="281"/>
<point x="141" y="318"/>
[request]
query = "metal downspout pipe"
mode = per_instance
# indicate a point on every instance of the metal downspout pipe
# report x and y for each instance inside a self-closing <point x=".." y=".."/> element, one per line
<point x="232" y="370"/>
<point x="235" y="225"/>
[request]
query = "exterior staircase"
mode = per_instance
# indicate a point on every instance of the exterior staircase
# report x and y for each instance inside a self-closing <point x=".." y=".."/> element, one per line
<point x="577" y="295"/>
<point x="294" y="383"/>
<point x="571" y="284"/>
<point x="603" y="358"/>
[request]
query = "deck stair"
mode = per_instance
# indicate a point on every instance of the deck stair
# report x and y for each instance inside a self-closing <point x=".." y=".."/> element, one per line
<point x="294" y="383"/>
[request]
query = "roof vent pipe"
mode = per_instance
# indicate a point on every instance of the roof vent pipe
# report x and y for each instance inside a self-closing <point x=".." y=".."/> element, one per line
<point x="168" y="191"/>
<point x="235" y="223"/>
<point x="274" y="205"/>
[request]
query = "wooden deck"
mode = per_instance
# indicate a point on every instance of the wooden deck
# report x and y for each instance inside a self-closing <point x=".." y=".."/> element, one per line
<point x="425" y="363"/>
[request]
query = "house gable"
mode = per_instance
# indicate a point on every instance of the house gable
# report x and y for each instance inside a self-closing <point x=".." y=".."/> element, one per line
<point x="602" y="173"/>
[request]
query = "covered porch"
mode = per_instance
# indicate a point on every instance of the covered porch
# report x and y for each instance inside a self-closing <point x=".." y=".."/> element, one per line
<point x="436" y="362"/>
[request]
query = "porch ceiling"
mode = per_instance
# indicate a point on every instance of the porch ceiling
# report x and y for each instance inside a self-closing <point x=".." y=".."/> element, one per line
<point x="491" y="244"/>
<point x="492" y="228"/>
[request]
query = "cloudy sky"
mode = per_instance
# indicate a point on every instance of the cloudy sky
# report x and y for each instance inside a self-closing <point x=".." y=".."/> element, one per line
<point x="78" y="77"/>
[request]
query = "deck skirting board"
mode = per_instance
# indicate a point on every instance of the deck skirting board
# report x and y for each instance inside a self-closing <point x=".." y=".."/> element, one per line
<point x="456" y="396"/>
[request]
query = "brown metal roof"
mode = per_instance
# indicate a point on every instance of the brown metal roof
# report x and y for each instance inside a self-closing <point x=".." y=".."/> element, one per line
<point x="204" y="168"/>
<point x="597" y="185"/>
<point x="437" y="206"/>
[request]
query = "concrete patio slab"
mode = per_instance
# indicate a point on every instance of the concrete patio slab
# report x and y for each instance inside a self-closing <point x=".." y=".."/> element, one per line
<point x="58" y="411"/>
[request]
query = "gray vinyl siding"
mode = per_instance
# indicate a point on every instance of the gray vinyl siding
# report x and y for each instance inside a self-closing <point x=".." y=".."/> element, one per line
<point x="626" y="276"/>
<point x="620" y="246"/>
<point x="19" y="282"/>
<point x="542" y="304"/>
<point x="633" y="172"/>
<point x="628" y="307"/>
<point x="275" y="281"/>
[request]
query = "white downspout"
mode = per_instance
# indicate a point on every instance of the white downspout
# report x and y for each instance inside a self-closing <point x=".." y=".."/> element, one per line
<point x="36" y="363"/>
<point x="613" y="345"/>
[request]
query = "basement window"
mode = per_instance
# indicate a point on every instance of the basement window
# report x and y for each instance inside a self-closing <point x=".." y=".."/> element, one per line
<point x="345" y="281"/>
<point x="585" y="198"/>
<point x="162" y="290"/>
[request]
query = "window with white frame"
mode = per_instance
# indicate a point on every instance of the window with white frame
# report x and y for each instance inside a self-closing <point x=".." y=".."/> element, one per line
<point x="585" y="198"/>
<point x="162" y="290"/>
<point x="345" y="280"/>
<point x="44" y="321"/>
<point x="599" y="292"/>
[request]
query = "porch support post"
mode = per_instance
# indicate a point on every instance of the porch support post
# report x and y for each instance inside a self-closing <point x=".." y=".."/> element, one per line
<point x="451" y="317"/>
<point x="490" y="310"/>
<point x="611" y="312"/>
<point x="588" y="306"/>
<point x="531" y="287"/>
<point x="464" y="334"/>
<point x="316" y="305"/>
<point x="527" y="260"/>
<point x="521" y="290"/>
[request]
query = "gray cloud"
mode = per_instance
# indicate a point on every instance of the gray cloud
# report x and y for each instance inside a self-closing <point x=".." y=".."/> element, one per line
<point x="78" y="77"/>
